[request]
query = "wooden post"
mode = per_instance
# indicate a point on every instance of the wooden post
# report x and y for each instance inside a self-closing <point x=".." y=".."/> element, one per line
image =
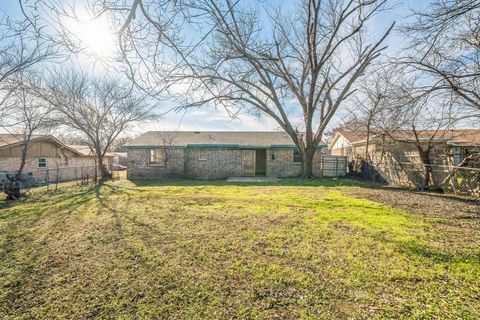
<point x="322" y="165"/>
<point x="47" y="180"/>
<point x="336" y="166"/>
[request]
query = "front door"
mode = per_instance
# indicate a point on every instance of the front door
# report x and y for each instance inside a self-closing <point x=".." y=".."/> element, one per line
<point x="248" y="163"/>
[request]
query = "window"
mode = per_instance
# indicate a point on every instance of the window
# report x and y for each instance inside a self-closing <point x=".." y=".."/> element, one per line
<point x="297" y="157"/>
<point x="41" y="163"/>
<point x="157" y="157"/>
<point x="202" y="154"/>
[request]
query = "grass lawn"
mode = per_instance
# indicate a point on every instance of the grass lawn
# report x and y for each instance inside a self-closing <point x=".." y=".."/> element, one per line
<point x="187" y="250"/>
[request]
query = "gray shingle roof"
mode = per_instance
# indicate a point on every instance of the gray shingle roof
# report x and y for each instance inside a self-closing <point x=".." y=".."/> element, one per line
<point x="215" y="138"/>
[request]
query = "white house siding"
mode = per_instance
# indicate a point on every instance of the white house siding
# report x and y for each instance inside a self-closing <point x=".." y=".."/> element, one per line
<point x="340" y="146"/>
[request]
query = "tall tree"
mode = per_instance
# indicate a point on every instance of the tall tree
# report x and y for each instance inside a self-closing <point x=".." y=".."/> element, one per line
<point x="302" y="67"/>
<point x="28" y="114"/>
<point x="422" y="121"/>
<point x="100" y="109"/>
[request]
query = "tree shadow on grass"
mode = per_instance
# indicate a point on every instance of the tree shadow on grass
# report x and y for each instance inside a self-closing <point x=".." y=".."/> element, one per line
<point x="19" y="248"/>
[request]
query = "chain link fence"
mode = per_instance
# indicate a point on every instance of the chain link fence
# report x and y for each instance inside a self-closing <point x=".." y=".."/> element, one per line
<point x="51" y="178"/>
<point x="458" y="180"/>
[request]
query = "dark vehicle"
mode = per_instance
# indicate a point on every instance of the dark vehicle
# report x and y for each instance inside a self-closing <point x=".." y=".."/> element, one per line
<point x="26" y="180"/>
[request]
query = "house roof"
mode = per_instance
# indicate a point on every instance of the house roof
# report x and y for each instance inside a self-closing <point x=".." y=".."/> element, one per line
<point x="351" y="135"/>
<point x="85" y="150"/>
<point x="8" y="140"/>
<point x="467" y="137"/>
<point x="212" y="139"/>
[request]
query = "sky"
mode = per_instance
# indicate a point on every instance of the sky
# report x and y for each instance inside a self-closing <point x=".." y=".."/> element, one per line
<point x="210" y="118"/>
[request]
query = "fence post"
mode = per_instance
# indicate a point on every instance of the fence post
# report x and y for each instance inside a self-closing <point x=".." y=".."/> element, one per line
<point x="57" y="178"/>
<point x="322" y="158"/>
<point x="336" y="166"/>
<point x="47" y="179"/>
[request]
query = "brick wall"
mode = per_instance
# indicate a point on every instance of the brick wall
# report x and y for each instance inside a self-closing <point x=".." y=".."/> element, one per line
<point x="282" y="164"/>
<point x="139" y="168"/>
<point x="221" y="163"/>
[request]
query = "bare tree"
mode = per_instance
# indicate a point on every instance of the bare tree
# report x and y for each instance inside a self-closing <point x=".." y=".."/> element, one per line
<point x="304" y="70"/>
<point x="422" y="121"/>
<point x="100" y="109"/>
<point x="29" y="115"/>
<point x="445" y="48"/>
<point x="373" y="103"/>
<point x="150" y="34"/>
<point x="21" y="49"/>
<point x="168" y="147"/>
<point x="313" y="57"/>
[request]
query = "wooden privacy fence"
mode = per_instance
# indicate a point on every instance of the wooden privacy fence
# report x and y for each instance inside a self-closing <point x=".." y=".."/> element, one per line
<point x="331" y="166"/>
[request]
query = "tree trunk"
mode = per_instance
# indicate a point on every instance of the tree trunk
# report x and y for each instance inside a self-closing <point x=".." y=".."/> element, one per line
<point x="12" y="188"/>
<point x="368" y="165"/>
<point x="23" y="158"/>
<point x="307" y="157"/>
<point x="425" y="157"/>
<point x="103" y="170"/>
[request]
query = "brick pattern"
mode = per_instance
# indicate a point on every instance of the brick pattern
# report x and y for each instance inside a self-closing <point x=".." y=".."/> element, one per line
<point x="221" y="163"/>
<point x="282" y="164"/>
<point x="139" y="167"/>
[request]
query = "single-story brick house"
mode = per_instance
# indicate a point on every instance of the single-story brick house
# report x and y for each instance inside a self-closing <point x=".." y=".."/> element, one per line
<point x="215" y="155"/>
<point x="47" y="157"/>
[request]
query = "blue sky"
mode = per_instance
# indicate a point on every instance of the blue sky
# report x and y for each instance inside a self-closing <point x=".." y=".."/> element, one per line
<point x="217" y="119"/>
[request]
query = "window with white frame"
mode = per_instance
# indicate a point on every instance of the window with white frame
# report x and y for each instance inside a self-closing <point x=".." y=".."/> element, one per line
<point x="157" y="157"/>
<point x="202" y="154"/>
<point x="41" y="163"/>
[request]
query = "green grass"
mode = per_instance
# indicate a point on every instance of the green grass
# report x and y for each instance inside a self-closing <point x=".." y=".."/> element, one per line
<point x="190" y="250"/>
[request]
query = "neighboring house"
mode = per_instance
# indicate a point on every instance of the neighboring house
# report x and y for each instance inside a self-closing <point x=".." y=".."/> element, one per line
<point x="395" y="157"/>
<point x="47" y="157"/>
<point x="341" y="144"/>
<point x="215" y="155"/>
<point x="450" y="147"/>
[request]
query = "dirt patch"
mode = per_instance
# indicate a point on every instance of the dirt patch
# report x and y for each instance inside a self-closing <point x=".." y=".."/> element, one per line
<point x="459" y="211"/>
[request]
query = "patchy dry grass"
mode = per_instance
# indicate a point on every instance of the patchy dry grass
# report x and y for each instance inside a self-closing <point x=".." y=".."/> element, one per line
<point x="191" y="251"/>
